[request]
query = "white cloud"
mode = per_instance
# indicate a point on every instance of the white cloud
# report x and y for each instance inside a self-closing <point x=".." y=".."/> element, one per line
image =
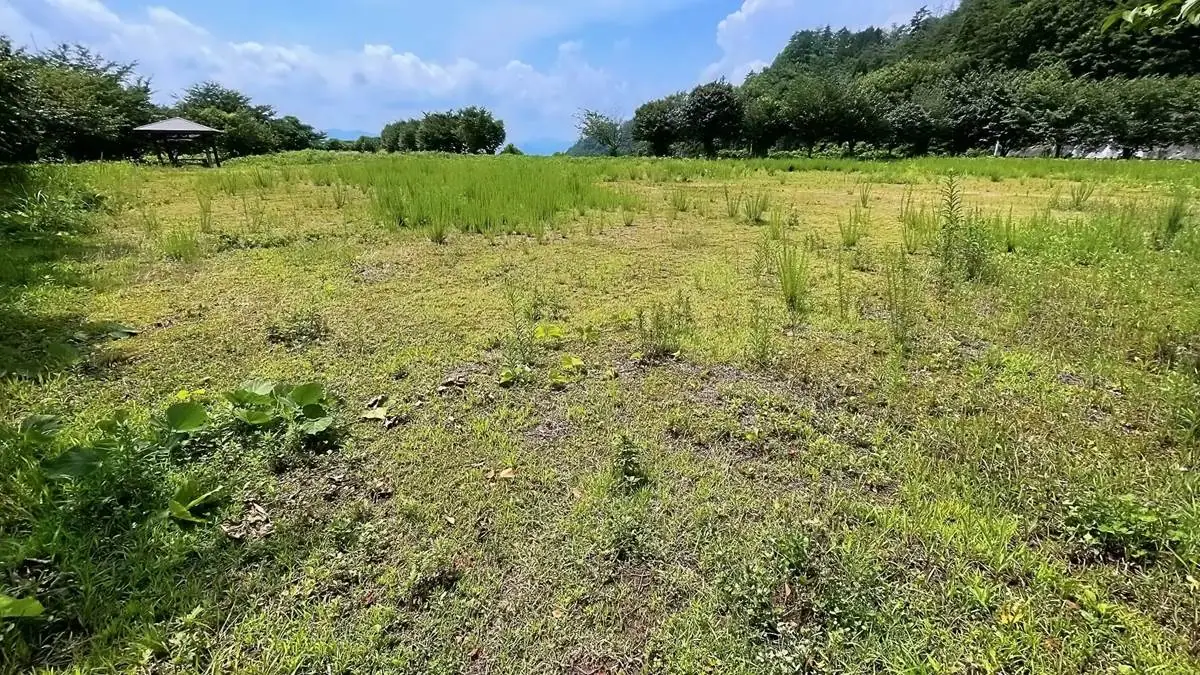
<point x="361" y="88"/>
<point x="501" y="25"/>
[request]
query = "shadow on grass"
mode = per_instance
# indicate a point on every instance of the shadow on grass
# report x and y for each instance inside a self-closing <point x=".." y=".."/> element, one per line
<point x="45" y="223"/>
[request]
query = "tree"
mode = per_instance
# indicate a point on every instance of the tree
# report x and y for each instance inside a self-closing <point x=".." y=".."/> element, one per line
<point x="335" y="144"/>
<point x="983" y="112"/>
<point x="19" y="120"/>
<point x="711" y="113"/>
<point x="810" y="110"/>
<point x="250" y="129"/>
<point x="479" y="132"/>
<point x="88" y="106"/>
<point x="1146" y="106"/>
<point x="858" y="115"/>
<point x="366" y="144"/>
<point x="601" y="129"/>
<point x="389" y="138"/>
<point x="1052" y="100"/>
<point x="511" y="149"/>
<point x="440" y="132"/>
<point x="408" y="136"/>
<point x="400" y="136"/>
<point x="656" y="124"/>
<point x="292" y="134"/>
<point x="245" y="133"/>
<point x="210" y="94"/>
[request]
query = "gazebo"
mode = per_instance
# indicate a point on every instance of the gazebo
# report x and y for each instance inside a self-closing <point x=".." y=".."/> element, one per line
<point x="169" y="135"/>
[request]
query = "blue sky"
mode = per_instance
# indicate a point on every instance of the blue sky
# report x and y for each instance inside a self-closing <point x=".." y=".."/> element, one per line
<point x="357" y="64"/>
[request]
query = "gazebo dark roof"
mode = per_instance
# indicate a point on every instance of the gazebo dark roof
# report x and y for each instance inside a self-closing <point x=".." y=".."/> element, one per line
<point x="177" y="125"/>
<point x="177" y="134"/>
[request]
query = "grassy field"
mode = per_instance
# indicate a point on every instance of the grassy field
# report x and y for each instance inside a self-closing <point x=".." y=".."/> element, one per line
<point x="600" y="416"/>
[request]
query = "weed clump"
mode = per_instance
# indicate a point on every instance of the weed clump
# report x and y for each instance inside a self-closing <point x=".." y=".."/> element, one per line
<point x="1173" y="218"/>
<point x="1080" y="194"/>
<point x="760" y="342"/>
<point x="962" y="241"/>
<point x="755" y="208"/>
<point x="662" y="328"/>
<point x="901" y="299"/>
<point x="799" y="600"/>
<point x="181" y="244"/>
<point x="297" y="330"/>
<point x="627" y="471"/>
<point x="791" y="265"/>
<point x="854" y="228"/>
<point x="1126" y="528"/>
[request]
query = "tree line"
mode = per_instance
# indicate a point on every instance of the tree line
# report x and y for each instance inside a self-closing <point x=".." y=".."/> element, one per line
<point x="69" y="103"/>
<point x="992" y="75"/>
<point x="472" y="131"/>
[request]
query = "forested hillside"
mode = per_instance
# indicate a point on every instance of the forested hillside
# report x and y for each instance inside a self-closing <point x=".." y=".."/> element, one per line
<point x="1005" y="34"/>
<point x="992" y="74"/>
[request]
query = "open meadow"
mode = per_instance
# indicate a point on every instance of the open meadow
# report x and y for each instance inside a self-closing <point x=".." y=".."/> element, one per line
<point x="333" y="413"/>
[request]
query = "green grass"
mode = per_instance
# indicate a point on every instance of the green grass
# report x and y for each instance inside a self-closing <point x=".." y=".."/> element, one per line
<point x="575" y="428"/>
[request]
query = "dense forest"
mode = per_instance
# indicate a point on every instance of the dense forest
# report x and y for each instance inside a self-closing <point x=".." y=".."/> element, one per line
<point x="992" y="75"/>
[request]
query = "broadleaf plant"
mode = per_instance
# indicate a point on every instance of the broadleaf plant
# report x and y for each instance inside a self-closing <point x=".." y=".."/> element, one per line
<point x="303" y="407"/>
<point x="186" y="417"/>
<point x="190" y="500"/>
<point x="19" y="608"/>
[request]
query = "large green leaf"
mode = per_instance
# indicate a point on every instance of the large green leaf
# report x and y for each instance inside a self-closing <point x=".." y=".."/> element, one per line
<point x="259" y="387"/>
<point x="254" y="416"/>
<point x="39" y="429"/>
<point x="13" y="608"/>
<point x="188" y="498"/>
<point x="180" y="512"/>
<point x="308" y="394"/>
<point x="317" y="426"/>
<point x="314" y="411"/>
<point x="74" y="463"/>
<point x="186" y="417"/>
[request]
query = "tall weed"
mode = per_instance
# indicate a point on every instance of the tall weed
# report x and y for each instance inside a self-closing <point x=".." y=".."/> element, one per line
<point x="791" y="266"/>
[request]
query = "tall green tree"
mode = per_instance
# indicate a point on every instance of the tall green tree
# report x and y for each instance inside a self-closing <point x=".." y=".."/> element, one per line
<point x="656" y="124"/>
<point x="400" y="136"/>
<point x="711" y="113"/>
<point x="602" y="130"/>
<point x="292" y="134"/>
<point x="440" y="132"/>
<point x="20" y="124"/>
<point x="479" y="131"/>
<point x="87" y="105"/>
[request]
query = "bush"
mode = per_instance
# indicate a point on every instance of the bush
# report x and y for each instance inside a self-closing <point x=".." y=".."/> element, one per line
<point x="511" y="149"/>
